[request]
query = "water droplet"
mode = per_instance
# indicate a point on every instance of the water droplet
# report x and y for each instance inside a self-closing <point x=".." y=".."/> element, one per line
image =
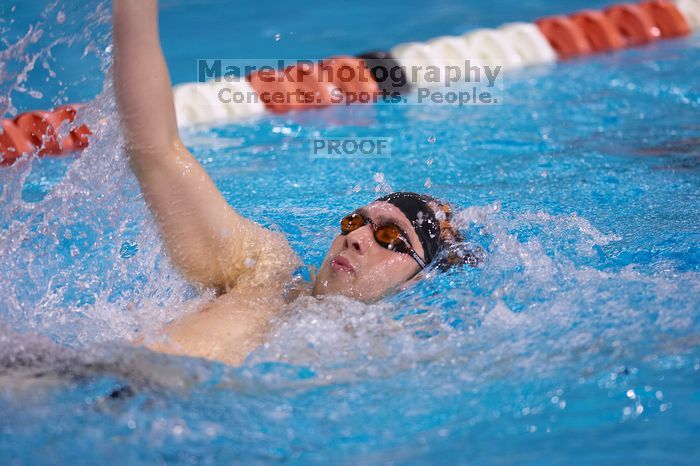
<point x="129" y="249"/>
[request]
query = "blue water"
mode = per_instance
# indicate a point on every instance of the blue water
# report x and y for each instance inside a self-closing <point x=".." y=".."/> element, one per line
<point x="577" y="341"/>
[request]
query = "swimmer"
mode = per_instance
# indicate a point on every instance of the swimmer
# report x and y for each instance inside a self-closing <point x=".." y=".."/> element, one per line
<point x="380" y="248"/>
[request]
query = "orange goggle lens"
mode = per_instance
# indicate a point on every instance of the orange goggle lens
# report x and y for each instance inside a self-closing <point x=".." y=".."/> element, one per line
<point x="388" y="236"/>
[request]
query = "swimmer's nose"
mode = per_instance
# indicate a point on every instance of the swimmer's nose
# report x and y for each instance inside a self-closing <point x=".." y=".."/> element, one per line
<point x="360" y="239"/>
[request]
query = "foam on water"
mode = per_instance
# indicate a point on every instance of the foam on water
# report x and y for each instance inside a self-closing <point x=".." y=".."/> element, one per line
<point x="580" y="327"/>
<point x="68" y="226"/>
<point x="536" y="297"/>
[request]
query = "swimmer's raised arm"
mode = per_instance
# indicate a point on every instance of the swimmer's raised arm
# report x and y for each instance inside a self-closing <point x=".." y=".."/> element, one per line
<point x="207" y="240"/>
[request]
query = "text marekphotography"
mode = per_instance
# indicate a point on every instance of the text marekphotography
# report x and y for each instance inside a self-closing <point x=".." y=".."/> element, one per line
<point x="464" y="82"/>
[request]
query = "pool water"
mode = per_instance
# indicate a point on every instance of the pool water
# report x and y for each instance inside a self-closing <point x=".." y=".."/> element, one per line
<point x="577" y="341"/>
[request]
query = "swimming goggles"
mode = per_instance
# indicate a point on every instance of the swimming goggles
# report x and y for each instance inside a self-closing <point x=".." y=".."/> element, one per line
<point x="389" y="235"/>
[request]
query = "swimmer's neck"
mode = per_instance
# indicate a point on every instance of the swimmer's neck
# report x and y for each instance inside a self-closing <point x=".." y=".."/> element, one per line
<point x="298" y="288"/>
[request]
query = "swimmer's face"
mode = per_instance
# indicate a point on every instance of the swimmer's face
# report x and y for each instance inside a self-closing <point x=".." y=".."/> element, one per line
<point x="360" y="268"/>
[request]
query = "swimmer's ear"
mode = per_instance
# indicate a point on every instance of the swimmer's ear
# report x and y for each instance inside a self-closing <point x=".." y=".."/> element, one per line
<point x="459" y="255"/>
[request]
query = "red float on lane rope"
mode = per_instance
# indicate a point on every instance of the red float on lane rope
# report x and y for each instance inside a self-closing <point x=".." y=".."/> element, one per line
<point x="266" y="83"/>
<point x="353" y="77"/>
<point x="41" y="129"/>
<point x="634" y="23"/>
<point x="667" y="18"/>
<point x="319" y="91"/>
<point x="283" y="91"/>
<point x="601" y="33"/>
<point x="13" y="143"/>
<point x="564" y="36"/>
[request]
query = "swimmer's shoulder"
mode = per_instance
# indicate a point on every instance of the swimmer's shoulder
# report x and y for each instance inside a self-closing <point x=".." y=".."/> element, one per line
<point x="271" y="268"/>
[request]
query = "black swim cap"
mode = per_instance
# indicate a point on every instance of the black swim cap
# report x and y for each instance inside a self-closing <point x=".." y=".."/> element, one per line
<point x="422" y="217"/>
<point x="431" y="220"/>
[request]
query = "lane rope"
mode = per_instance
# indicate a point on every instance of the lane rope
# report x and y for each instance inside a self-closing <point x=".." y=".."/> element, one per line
<point x="368" y="75"/>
